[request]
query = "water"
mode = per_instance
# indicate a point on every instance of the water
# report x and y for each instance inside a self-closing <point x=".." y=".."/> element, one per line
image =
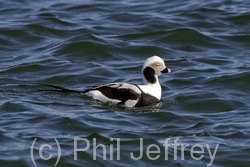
<point x="80" y="43"/>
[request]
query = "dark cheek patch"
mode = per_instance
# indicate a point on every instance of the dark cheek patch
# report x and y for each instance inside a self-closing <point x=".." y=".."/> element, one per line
<point x="149" y="73"/>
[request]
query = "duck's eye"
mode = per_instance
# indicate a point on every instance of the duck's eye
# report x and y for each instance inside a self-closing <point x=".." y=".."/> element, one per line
<point x="157" y="65"/>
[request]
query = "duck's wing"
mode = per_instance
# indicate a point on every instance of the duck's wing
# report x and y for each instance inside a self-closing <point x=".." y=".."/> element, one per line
<point x="121" y="93"/>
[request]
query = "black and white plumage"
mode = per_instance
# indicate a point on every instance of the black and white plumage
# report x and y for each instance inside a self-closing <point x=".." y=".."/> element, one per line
<point x="131" y="95"/>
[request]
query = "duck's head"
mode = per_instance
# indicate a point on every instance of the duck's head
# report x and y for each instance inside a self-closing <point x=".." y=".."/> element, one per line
<point x="152" y="68"/>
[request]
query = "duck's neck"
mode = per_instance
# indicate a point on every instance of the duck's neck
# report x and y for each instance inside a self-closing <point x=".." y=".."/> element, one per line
<point x="151" y="88"/>
<point x="146" y="82"/>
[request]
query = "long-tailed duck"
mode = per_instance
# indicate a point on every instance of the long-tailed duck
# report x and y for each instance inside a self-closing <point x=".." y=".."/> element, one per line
<point x="131" y="95"/>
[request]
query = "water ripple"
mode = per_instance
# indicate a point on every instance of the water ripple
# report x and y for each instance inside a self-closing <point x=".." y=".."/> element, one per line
<point x="83" y="43"/>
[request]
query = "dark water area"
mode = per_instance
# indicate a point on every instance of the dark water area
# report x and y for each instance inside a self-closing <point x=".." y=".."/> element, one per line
<point x="202" y="120"/>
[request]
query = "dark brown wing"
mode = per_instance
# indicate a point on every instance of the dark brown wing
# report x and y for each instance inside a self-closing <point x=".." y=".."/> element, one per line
<point x="119" y="91"/>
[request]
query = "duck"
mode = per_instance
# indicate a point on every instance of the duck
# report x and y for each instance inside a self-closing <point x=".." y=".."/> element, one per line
<point x="126" y="94"/>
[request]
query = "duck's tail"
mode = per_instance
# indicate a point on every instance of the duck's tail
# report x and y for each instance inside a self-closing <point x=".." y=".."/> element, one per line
<point x="62" y="89"/>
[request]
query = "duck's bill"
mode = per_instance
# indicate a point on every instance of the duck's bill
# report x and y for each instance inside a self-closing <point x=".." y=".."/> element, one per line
<point x="167" y="70"/>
